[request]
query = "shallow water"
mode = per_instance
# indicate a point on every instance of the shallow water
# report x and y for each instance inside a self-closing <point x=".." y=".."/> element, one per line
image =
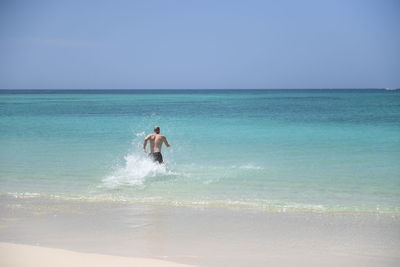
<point x="318" y="150"/>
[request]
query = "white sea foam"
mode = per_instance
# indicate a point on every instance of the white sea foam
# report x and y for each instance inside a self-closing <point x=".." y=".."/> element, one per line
<point x="24" y="194"/>
<point x="248" y="166"/>
<point x="251" y="167"/>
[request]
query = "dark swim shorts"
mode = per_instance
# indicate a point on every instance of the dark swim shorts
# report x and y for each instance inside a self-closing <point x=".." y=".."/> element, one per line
<point x="156" y="156"/>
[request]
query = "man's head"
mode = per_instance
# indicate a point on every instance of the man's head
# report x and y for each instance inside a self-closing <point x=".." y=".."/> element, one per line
<point x="157" y="129"/>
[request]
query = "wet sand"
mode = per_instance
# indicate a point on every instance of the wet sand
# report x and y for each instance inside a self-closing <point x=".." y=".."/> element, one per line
<point x="199" y="236"/>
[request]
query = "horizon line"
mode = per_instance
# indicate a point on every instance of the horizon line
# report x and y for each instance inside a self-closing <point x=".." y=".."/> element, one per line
<point x="326" y="88"/>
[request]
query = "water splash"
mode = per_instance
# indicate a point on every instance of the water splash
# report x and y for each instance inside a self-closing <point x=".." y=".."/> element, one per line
<point x="135" y="172"/>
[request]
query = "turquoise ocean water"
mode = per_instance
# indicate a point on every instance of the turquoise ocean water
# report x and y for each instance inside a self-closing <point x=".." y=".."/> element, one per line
<point x="317" y="150"/>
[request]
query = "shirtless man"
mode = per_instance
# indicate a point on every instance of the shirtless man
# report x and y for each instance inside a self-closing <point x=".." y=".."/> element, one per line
<point x="156" y="141"/>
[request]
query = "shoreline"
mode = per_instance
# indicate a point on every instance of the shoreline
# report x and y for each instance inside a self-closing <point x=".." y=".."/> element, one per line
<point x="378" y="211"/>
<point x="203" y="236"/>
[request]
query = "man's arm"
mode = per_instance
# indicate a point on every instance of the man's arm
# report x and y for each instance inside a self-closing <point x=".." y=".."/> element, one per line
<point x="145" y="142"/>
<point x="166" y="142"/>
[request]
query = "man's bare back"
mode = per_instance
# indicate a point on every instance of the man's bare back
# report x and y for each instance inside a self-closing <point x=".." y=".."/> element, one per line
<point x="156" y="141"/>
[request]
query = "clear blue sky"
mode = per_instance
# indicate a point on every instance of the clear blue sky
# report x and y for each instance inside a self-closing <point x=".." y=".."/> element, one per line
<point x="199" y="44"/>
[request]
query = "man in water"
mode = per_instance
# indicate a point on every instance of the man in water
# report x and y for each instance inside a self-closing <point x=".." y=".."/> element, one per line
<point x="156" y="141"/>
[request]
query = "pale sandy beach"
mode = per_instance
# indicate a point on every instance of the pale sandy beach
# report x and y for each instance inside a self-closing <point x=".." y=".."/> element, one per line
<point x="24" y="255"/>
<point x="85" y="234"/>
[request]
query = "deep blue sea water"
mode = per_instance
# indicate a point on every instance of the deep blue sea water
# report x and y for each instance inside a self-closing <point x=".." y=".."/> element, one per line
<point x="317" y="150"/>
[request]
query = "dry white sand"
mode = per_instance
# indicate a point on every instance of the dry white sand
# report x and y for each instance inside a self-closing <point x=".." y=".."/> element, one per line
<point x="15" y="255"/>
